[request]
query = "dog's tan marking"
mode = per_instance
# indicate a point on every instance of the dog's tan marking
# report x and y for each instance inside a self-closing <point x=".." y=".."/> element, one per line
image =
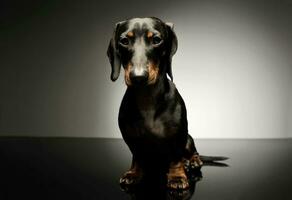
<point x="130" y="34"/>
<point x="127" y="74"/>
<point x="153" y="73"/>
<point x="149" y="34"/>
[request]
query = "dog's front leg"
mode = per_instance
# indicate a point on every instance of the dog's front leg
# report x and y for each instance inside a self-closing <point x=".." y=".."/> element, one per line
<point x="133" y="175"/>
<point x="176" y="177"/>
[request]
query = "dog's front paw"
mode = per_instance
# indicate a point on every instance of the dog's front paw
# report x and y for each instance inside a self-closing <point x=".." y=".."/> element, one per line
<point x="178" y="183"/>
<point x="129" y="179"/>
<point x="176" y="177"/>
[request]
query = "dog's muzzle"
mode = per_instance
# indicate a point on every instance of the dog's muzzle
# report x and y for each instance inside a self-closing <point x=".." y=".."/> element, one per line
<point x="140" y="79"/>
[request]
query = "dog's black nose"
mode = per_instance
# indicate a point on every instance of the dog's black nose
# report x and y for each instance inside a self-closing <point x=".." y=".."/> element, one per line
<point x="139" y="79"/>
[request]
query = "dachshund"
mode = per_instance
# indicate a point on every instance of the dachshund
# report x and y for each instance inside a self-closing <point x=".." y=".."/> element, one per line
<point x="152" y="116"/>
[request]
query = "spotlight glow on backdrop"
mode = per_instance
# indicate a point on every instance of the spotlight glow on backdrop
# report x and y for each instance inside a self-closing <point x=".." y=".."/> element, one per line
<point x="233" y="66"/>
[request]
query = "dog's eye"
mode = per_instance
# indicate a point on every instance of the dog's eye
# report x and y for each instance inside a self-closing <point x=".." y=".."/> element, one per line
<point x="156" y="40"/>
<point x="124" y="41"/>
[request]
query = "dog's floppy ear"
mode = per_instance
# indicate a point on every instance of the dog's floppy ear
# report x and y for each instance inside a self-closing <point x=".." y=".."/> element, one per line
<point x="172" y="46"/>
<point x="113" y="55"/>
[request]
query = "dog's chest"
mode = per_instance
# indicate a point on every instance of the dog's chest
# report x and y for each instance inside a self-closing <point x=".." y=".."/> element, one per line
<point x="143" y="116"/>
<point x="158" y="124"/>
<point x="151" y="124"/>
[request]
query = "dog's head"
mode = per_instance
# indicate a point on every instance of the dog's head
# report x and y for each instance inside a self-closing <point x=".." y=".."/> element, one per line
<point x="144" y="47"/>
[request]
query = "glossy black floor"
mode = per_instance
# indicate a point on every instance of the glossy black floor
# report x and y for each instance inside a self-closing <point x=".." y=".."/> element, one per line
<point x="85" y="169"/>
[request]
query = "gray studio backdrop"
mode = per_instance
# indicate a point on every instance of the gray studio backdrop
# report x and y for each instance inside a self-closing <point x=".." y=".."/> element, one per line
<point x="233" y="66"/>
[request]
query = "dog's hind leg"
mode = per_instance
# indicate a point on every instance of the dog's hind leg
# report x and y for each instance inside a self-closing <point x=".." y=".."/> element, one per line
<point x="192" y="157"/>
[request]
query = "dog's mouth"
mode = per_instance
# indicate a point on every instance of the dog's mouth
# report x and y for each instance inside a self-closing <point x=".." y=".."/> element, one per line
<point x="143" y="77"/>
<point x="141" y="80"/>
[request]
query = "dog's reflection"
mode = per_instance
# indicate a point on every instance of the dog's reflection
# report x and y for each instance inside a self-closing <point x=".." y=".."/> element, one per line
<point x="153" y="186"/>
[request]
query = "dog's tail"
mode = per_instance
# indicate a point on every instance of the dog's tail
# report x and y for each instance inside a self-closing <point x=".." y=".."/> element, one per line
<point x="212" y="158"/>
<point x="214" y="161"/>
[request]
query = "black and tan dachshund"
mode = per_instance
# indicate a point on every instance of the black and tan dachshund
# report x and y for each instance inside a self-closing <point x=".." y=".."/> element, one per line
<point x="152" y="116"/>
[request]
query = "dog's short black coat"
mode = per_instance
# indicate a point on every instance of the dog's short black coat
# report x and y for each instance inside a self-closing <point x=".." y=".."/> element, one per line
<point x="152" y="116"/>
